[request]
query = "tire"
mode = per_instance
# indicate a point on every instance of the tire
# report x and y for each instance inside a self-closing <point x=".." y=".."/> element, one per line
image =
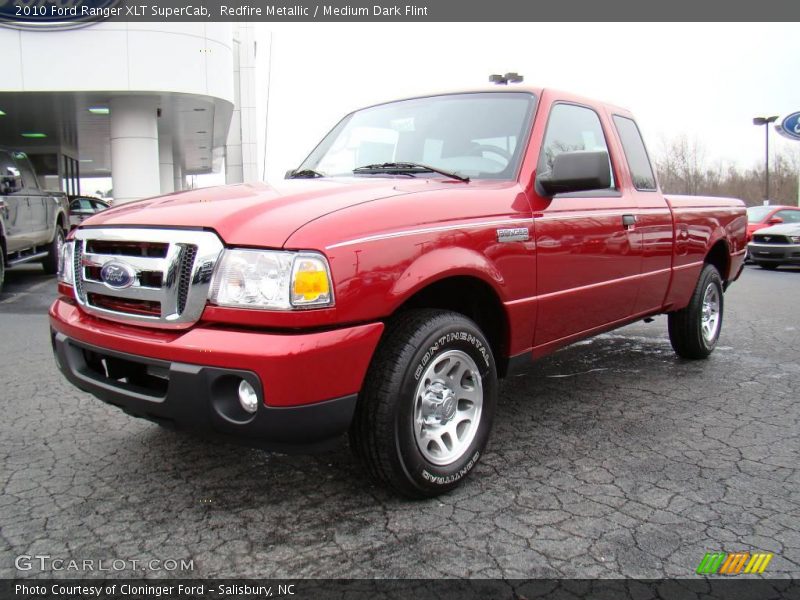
<point x="433" y="380"/>
<point x="768" y="266"/>
<point x="694" y="330"/>
<point x="2" y="268"/>
<point x="50" y="263"/>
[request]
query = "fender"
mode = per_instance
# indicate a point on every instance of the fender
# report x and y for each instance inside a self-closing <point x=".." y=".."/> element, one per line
<point x="718" y="234"/>
<point x="60" y="214"/>
<point x="444" y="263"/>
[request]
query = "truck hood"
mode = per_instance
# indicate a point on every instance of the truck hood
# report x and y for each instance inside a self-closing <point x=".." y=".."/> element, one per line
<point x="258" y="214"/>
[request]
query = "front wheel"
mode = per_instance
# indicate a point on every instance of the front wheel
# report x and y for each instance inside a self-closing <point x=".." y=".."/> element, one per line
<point x="694" y="330"/>
<point x="426" y="409"/>
<point x="50" y="263"/>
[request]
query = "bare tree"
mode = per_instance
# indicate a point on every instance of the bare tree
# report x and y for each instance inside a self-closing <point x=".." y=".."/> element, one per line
<point x="682" y="169"/>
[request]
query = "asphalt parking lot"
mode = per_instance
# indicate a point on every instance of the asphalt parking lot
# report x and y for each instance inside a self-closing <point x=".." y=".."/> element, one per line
<point x="613" y="458"/>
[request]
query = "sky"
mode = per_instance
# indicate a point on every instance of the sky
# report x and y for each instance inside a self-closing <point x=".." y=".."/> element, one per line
<point x="707" y="81"/>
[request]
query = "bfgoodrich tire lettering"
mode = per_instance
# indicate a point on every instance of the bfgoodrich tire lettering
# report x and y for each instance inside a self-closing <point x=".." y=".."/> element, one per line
<point x="385" y="430"/>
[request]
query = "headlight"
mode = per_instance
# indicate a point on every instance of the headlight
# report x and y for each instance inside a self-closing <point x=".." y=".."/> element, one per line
<point x="273" y="280"/>
<point x="66" y="270"/>
<point x="795" y="239"/>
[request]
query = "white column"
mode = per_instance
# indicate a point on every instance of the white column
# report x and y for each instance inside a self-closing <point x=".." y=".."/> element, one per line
<point x="165" y="167"/>
<point x="247" y="102"/>
<point x="241" y="148"/>
<point x="177" y="177"/>
<point x="233" y="145"/>
<point x="134" y="148"/>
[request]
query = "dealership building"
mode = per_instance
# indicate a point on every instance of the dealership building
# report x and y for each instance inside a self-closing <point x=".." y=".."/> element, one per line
<point x="146" y="104"/>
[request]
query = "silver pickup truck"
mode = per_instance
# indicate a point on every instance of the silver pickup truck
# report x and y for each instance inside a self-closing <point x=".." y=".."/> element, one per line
<point x="33" y="222"/>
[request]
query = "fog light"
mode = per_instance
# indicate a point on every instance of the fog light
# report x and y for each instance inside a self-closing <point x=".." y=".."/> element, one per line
<point x="248" y="397"/>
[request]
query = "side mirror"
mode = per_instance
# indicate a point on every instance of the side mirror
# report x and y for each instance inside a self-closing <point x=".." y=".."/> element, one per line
<point x="576" y="172"/>
<point x="775" y="221"/>
<point x="290" y="173"/>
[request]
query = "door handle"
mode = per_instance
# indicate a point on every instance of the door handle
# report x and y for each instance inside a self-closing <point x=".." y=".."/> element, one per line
<point x="628" y="221"/>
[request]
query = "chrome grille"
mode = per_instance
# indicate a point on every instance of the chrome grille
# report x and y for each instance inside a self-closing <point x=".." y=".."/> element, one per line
<point x="169" y="273"/>
<point x="188" y="254"/>
<point x="76" y="267"/>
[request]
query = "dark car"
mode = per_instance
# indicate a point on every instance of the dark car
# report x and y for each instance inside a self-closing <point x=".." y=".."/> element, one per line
<point x="82" y="207"/>
<point x="776" y="245"/>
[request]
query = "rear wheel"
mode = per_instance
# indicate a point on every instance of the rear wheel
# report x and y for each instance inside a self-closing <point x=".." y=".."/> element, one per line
<point x="424" y="415"/>
<point x="694" y="330"/>
<point x="50" y="263"/>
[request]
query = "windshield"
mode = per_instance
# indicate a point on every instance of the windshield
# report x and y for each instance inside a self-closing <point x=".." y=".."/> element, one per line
<point x="479" y="135"/>
<point x="756" y="214"/>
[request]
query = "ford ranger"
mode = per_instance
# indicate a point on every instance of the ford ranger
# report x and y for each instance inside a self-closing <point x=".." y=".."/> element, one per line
<point x="424" y="249"/>
<point x="33" y="222"/>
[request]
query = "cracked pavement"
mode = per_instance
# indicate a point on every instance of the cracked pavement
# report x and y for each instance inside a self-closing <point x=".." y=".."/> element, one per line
<point x="613" y="458"/>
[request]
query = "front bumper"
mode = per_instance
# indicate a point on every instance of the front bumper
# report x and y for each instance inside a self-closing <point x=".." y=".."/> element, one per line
<point x="780" y="254"/>
<point x="189" y="380"/>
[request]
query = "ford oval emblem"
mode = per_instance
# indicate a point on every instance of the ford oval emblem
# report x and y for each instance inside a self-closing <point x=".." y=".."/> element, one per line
<point x="117" y="275"/>
<point x="790" y="126"/>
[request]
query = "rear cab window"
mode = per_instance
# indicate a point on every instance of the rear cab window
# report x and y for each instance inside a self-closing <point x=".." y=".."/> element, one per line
<point x="635" y="154"/>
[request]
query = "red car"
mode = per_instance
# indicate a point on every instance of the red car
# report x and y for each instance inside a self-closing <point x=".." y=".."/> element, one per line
<point x="759" y="217"/>
<point x="424" y="249"/>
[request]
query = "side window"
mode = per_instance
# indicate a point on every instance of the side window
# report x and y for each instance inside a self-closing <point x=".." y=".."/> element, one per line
<point x="571" y="128"/>
<point x="29" y="182"/>
<point x="7" y="169"/>
<point x="81" y="204"/>
<point x="789" y="216"/>
<point x="635" y="154"/>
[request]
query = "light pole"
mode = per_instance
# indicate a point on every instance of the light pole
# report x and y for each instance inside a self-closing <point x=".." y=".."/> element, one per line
<point x="765" y="121"/>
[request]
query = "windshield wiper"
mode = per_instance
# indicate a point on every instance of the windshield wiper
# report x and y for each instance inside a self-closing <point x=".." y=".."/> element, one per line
<point x="407" y="167"/>
<point x="304" y="174"/>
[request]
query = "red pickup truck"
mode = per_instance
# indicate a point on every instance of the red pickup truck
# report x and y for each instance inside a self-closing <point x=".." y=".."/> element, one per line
<point x="424" y="249"/>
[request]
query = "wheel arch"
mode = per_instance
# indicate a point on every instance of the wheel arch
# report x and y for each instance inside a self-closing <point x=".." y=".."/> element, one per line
<point x="719" y="256"/>
<point x="471" y="295"/>
<point x="62" y="220"/>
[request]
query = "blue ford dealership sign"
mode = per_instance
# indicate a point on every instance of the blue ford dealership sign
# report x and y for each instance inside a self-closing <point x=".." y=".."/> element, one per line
<point x="790" y="126"/>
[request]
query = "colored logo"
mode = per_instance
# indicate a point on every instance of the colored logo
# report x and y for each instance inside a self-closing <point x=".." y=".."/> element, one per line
<point x="117" y="275"/>
<point x="733" y="563"/>
<point x="790" y="126"/>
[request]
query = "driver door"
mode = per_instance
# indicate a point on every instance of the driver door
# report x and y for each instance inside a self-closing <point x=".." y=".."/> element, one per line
<point x="587" y="246"/>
